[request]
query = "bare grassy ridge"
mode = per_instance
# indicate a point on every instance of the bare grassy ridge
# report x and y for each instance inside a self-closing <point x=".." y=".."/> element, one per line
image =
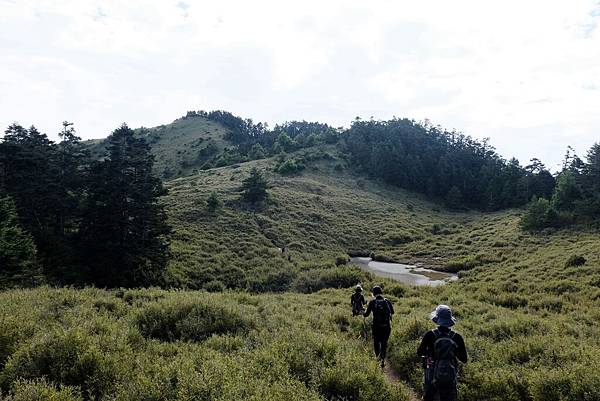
<point x="179" y="148"/>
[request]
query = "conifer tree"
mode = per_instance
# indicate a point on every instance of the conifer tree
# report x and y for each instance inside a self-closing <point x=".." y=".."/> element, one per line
<point x="72" y="159"/>
<point x="254" y="187"/>
<point x="18" y="266"/>
<point x="124" y="230"/>
<point x="213" y="203"/>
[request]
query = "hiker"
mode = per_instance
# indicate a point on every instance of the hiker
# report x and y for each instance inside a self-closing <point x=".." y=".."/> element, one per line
<point x="357" y="301"/>
<point x="382" y="322"/>
<point x="441" y="348"/>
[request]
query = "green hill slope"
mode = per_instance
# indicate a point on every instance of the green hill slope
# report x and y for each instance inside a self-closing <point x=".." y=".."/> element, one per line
<point x="181" y="147"/>
<point x="320" y="214"/>
<point x="529" y="316"/>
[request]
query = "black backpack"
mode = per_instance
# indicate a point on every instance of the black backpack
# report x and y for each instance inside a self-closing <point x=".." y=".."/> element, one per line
<point x="444" y="368"/>
<point x="381" y="312"/>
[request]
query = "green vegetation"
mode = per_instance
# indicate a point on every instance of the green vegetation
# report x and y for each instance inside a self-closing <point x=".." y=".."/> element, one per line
<point x="123" y="233"/>
<point x="179" y="148"/>
<point x="444" y="164"/>
<point x="66" y="344"/>
<point x="17" y="250"/>
<point x="263" y="223"/>
<point x="576" y="196"/>
<point x="254" y="187"/>
<point x="92" y="221"/>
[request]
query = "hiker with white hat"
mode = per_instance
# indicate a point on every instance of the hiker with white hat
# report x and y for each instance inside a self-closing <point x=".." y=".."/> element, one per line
<point x="358" y="301"/>
<point x="441" y="348"/>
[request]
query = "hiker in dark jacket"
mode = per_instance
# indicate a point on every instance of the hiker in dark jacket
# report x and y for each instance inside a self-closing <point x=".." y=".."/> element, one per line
<point x="357" y="301"/>
<point x="382" y="322"/>
<point x="441" y="348"/>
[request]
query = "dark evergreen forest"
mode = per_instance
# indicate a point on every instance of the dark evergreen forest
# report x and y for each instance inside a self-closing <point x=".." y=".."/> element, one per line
<point x="90" y="221"/>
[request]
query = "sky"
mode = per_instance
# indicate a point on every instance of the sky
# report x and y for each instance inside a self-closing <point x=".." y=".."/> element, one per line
<point x="525" y="74"/>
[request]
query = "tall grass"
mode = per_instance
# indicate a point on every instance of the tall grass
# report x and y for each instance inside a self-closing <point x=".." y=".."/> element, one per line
<point x="158" y="345"/>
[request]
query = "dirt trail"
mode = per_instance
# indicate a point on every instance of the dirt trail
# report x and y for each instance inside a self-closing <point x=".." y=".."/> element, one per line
<point x="392" y="377"/>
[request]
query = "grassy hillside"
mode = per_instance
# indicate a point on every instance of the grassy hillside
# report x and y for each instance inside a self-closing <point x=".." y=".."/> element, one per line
<point x="320" y="214"/>
<point x="181" y="147"/>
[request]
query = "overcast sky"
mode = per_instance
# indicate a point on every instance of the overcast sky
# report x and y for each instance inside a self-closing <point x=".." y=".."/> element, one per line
<point x="525" y="73"/>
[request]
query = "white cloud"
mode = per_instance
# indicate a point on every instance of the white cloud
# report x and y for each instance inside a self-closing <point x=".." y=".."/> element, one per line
<point x="525" y="74"/>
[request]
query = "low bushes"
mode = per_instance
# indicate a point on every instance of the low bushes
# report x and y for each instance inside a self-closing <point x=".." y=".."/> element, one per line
<point x="290" y="352"/>
<point x="468" y="262"/>
<point x="191" y="319"/>
<point x="41" y="390"/>
<point x="290" y="166"/>
<point x="575" y="260"/>
<point x="338" y="277"/>
<point x="70" y="358"/>
<point x="399" y="238"/>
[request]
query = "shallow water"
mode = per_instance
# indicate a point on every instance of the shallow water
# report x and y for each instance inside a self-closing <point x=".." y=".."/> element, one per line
<point x="408" y="274"/>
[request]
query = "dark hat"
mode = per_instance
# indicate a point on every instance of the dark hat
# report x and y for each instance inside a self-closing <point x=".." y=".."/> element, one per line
<point x="377" y="290"/>
<point x="442" y="316"/>
<point x="358" y="288"/>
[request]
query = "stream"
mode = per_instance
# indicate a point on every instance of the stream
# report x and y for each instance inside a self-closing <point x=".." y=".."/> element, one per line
<point x="407" y="274"/>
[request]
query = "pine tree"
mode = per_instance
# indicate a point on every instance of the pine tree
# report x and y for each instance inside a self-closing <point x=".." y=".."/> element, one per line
<point x="566" y="192"/>
<point x="28" y="175"/>
<point x="592" y="170"/>
<point x="124" y="230"/>
<point x="18" y="266"/>
<point x="254" y="187"/>
<point x="590" y="182"/>
<point x="257" y="152"/>
<point x="72" y="159"/>
<point x="213" y="203"/>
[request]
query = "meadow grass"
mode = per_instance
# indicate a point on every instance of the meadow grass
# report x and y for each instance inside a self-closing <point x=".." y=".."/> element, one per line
<point x="91" y="344"/>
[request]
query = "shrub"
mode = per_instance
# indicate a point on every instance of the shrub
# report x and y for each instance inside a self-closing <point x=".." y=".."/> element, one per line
<point x="383" y="258"/>
<point x="540" y="214"/>
<point x="214" y="286"/>
<point x="338" y="277"/>
<point x="40" y="390"/>
<point x="399" y="238"/>
<point x="341" y="260"/>
<point x="65" y="357"/>
<point x="213" y="203"/>
<point x="575" y="260"/>
<point x="359" y="253"/>
<point x="290" y="166"/>
<point x="469" y="262"/>
<point x="190" y="320"/>
<point x="396" y="290"/>
<point x="278" y="281"/>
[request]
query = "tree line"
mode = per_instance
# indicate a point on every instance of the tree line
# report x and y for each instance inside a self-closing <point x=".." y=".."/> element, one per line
<point x="445" y="165"/>
<point x="575" y="197"/>
<point x="66" y="218"/>
<point x="253" y="141"/>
